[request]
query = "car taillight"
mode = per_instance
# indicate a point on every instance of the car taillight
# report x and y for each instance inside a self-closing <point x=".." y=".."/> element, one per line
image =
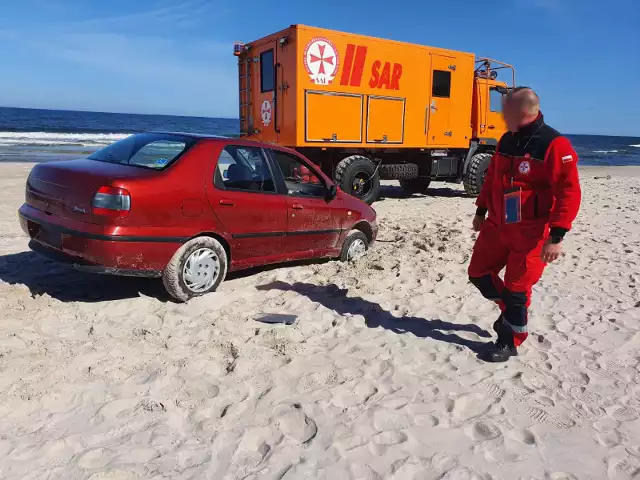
<point x="111" y="202"/>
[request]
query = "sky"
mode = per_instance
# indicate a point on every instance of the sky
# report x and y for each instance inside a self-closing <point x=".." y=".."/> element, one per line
<point x="175" y="57"/>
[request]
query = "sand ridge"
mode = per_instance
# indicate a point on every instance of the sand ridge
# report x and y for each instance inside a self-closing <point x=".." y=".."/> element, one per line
<point x="377" y="378"/>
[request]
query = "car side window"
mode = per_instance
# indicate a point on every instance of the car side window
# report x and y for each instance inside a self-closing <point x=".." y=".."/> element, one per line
<point x="301" y="181"/>
<point x="245" y="169"/>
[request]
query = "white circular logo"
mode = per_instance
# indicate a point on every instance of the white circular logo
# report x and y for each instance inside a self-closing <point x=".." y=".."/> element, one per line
<point x="524" y="168"/>
<point x="265" y="112"/>
<point x="321" y="60"/>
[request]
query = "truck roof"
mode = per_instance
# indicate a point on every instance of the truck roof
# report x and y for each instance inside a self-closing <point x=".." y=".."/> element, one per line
<point x="379" y="39"/>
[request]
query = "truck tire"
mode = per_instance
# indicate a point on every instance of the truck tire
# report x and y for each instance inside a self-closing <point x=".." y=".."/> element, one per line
<point x="197" y="268"/>
<point x="476" y="172"/>
<point x="358" y="177"/>
<point x="415" y="185"/>
<point x="399" y="171"/>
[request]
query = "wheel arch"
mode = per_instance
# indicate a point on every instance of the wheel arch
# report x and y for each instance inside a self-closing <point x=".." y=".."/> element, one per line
<point x="223" y="241"/>
<point x="364" y="227"/>
<point x="481" y="145"/>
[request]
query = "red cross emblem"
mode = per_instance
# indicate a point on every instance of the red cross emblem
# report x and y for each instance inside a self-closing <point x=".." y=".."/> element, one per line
<point x="321" y="60"/>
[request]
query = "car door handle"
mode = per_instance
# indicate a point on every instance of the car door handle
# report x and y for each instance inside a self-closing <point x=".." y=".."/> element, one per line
<point x="297" y="206"/>
<point x="227" y="203"/>
<point x="491" y="127"/>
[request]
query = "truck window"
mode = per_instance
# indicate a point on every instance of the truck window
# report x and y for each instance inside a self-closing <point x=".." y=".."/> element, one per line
<point x="266" y="71"/>
<point x="495" y="100"/>
<point x="441" y="84"/>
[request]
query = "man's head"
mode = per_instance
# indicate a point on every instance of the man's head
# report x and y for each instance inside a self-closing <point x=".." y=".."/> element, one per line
<point x="521" y="106"/>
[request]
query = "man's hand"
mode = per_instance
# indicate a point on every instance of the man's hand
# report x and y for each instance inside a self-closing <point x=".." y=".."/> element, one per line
<point x="551" y="251"/>
<point x="477" y="223"/>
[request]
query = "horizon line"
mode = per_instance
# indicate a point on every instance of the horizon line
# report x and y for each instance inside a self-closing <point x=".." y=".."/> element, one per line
<point x="227" y="118"/>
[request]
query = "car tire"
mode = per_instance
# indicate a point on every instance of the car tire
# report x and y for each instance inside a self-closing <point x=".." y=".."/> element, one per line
<point x="201" y="257"/>
<point x="354" y="247"/>
<point x="357" y="168"/>
<point x="476" y="172"/>
<point x="416" y="185"/>
<point x="399" y="171"/>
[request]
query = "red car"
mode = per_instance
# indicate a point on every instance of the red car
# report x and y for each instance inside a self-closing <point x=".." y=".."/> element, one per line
<point x="190" y="208"/>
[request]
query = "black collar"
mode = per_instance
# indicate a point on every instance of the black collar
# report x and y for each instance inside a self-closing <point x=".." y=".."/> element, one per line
<point x="531" y="128"/>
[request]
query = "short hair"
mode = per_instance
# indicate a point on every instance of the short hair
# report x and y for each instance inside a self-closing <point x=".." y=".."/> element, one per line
<point x="526" y="98"/>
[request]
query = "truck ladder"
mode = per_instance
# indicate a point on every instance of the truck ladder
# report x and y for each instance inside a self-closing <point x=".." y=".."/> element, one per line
<point x="245" y="70"/>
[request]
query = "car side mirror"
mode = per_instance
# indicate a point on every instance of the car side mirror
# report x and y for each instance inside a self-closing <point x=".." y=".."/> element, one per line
<point x="332" y="191"/>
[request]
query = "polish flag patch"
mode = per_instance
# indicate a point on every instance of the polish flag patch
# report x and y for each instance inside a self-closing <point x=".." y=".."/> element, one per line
<point x="567" y="159"/>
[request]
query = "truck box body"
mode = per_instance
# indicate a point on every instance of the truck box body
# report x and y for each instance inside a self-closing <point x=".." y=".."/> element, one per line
<point x="315" y="89"/>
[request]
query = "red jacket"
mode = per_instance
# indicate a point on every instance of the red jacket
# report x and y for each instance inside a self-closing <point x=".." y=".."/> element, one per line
<point x="545" y="166"/>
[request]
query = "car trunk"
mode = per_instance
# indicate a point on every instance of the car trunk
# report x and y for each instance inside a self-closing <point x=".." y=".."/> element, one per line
<point x="65" y="189"/>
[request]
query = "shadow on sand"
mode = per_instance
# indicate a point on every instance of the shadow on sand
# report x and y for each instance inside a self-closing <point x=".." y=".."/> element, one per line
<point x="62" y="282"/>
<point x="391" y="191"/>
<point x="335" y="298"/>
<point x="43" y="276"/>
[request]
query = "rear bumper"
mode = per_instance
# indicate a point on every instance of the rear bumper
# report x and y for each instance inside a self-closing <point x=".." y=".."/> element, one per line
<point x="82" y="265"/>
<point x="96" y="249"/>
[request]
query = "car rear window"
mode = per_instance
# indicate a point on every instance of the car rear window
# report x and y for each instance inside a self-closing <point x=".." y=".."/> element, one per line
<point x="147" y="150"/>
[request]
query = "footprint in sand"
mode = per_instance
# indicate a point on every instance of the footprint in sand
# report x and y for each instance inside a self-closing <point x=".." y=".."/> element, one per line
<point x="542" y="416"/>
<point x="625" y="414"/>
<point x="389" y="438"/>
<point x="523" y="436"/>
<point x="482" y="431"/>
<point x="609" y="439"/>
<point x="468" y="406"/>
<point x="385" y="420"/>
<point x="98" y="458"/>
<point x="295" y="424"/>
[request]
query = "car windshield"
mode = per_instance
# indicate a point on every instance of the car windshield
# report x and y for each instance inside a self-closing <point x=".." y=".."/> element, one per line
<point x="148" y="150"/>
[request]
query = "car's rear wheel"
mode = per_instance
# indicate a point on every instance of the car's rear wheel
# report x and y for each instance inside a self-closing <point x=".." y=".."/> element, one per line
<point x="354" y="247"/>
<point x="197" y="268"/>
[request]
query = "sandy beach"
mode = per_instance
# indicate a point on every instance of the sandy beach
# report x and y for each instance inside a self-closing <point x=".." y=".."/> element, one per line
<point x="377" y="378"/>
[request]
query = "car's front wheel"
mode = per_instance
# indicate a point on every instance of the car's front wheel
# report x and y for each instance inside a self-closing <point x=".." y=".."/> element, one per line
<point x="354" y="247"/>
<point x="197" y="268"/>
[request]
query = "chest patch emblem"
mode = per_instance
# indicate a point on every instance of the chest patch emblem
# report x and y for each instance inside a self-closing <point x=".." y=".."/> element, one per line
<point x="524" y="168"/>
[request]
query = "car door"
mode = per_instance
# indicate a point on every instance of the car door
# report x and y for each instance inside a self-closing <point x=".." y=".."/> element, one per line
<point x="313" y="224"/>
<point x="244" y="197"/>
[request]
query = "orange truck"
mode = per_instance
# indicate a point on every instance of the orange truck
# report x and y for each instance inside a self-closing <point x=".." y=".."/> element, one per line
<point x="365" y="109"/>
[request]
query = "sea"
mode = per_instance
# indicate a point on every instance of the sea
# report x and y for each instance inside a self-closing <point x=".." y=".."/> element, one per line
<point x="31" y="135"/>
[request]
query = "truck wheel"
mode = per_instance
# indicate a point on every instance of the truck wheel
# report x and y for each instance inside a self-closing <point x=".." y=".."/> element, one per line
<point x="474" y="178"/>
<point x="197" y="268"/>
<point x="355" y="246"/>
<point x="415" y="185"/>
<point x="357" y="176"/>
<point x="399" y="171"/>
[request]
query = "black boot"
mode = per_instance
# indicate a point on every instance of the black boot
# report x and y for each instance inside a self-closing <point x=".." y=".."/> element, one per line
<point x="504" y="348"/>
<point x="496" y="325"/>
<point x="500" y="352"/>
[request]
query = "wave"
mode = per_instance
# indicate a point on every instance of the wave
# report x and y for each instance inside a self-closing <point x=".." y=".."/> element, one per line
<point x="59" y="139"/>
<point x="605" y="151"/>
<point x="635" y="146"/>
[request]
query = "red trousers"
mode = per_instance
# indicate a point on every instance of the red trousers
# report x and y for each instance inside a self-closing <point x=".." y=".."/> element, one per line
<point x="515" y="248"/>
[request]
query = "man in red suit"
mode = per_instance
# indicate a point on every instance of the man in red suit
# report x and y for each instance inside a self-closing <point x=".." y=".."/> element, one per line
<point x="532" y="196"/>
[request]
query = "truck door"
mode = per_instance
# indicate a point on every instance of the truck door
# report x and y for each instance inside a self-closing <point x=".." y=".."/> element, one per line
<point x="265" y="95"/>
<point x="489" y="121"/>
<point x="439" y="108"/>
